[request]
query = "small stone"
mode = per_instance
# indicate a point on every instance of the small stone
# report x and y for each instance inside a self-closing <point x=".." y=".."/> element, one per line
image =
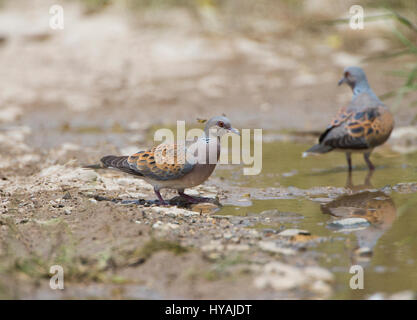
<point x="67" y="211"/>
<point x="280" y="276"/>
<point x="67" y="196"/>
<point x="303" y="238"/>
<point x="293" y="232"/>
<point x="173" y="211"/>
<point x="364" y="252"/>
<point x="349" y="223"/>
<point x="192" y="192"/>
<point x="135" y="195"/>
<point x="321" y="200"/>
<point x="165" y="226"/>
<point x="228" y="236"/>
<point x="290" y="174"/>
<point x="272" y="246"/>
<point x="205" y="207"/>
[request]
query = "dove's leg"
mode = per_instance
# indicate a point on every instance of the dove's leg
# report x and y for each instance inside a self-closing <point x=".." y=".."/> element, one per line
<point x="158" y="194"/>
<point x="349" y="160"/>
<point x="368" y="162"/>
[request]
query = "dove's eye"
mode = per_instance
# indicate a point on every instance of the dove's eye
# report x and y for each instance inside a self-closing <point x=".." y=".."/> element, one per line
<point x="220" y="124"/>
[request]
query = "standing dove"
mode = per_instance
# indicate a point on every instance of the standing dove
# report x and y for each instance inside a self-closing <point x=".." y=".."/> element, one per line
<point x="169" y="166"/>
<point x="361" y="126"/>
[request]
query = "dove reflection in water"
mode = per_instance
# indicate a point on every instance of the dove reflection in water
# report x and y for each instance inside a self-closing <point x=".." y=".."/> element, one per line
<point x="376" y="207"/>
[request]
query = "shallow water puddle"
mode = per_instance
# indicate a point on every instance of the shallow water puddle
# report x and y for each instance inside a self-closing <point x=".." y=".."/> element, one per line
<point x="284" y="166"/>
<point x="382" y="239"/>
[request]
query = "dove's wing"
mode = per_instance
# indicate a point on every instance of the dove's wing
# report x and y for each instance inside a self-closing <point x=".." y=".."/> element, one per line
<point x="359" y="128"/>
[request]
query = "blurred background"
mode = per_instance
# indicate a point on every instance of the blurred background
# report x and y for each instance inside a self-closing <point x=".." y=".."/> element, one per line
<point x="266" y="64"/>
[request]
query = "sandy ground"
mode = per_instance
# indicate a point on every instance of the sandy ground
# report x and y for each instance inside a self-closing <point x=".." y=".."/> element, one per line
<point x="100" y="86"/>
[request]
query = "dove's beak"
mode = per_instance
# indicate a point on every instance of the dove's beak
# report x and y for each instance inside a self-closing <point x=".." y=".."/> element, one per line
<point x="234" y="130"/>
<point x="342" y="81"/>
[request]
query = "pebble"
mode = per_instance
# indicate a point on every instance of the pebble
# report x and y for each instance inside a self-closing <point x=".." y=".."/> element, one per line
<point x="165" y="226"/>
<point x="321" y="200"/>
<point x="363" y="252"/>
<point x="293" y="232"/>
<point x="205" y="207"/>
<point x="280" y="276"/>
<point x="173" y="211"/>
<point x="405" y="187"/>
<point x="192" y="192"/>
<point x="135" y="195"/>
<point x="67" y="196"/>
<point x="227" y="235"/>
<point x="272" y="246"/>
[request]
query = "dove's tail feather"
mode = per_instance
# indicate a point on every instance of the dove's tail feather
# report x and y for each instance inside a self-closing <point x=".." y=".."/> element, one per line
<point x="114" y="162"/>
<point x="318" y="148"/>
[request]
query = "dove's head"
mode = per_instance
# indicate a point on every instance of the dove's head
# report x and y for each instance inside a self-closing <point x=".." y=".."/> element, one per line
<point x="355" y="77"/>
<point x="219" y="126"/>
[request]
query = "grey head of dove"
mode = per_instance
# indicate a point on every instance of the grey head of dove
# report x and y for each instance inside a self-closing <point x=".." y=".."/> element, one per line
<point x="356" y="79"/>
<point x="219" y="126"/>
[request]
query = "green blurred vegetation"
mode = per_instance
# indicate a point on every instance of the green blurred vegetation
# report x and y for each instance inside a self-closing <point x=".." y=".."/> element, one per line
<point x="409" y="48"/>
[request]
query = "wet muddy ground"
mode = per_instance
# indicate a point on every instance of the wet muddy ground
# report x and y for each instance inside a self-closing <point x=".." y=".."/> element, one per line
<point x="282" y="234"/>
<point x="292" y="231"/>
